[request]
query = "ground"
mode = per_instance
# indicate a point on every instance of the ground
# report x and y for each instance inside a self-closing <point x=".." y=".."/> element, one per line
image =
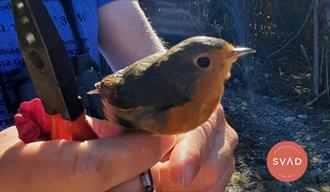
<point x="261" y="122"/>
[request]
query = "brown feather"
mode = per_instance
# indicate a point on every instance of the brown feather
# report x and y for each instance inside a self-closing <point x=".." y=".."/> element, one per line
<point x="168" y="93"/>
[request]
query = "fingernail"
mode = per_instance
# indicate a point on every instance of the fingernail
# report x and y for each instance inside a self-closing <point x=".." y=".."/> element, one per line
<point x="166" y="144"/>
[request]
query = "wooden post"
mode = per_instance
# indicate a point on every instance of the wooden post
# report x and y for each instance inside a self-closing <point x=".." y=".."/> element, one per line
<point x="327" y="73"/>
<point x="328" y="52"/>
<point x="316" y="49"/>
<point x="321" y="65"/>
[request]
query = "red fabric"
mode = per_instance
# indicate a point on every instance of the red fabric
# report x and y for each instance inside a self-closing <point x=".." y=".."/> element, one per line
<point x="32" y="122"/>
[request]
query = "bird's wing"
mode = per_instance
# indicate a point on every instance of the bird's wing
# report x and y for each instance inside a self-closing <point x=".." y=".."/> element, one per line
<point x="143" y="84"/>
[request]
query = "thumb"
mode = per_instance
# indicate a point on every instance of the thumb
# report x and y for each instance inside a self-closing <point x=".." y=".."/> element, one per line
<point x="119" y="159"/>
<point x="186" y="162"/>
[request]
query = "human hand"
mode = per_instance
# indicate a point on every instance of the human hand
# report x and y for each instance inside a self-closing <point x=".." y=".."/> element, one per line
<point x="60" y="165"/>
<point x="201" y="160"/>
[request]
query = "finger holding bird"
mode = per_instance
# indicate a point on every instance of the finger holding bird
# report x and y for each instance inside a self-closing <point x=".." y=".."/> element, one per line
<point x="172" y="92"/>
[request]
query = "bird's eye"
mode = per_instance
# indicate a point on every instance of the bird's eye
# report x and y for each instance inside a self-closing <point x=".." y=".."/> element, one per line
<point x="203" y="62"/>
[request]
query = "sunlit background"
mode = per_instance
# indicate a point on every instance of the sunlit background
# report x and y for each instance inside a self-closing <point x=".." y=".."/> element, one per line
<point x="281" y="93"/>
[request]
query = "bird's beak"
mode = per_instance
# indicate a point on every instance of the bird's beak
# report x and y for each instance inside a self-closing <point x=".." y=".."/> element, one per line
<point x="93" y="92"/>
<point x="238" y="52"/>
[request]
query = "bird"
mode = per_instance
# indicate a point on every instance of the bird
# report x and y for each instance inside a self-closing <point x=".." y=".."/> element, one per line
<point x="171" y="92"/>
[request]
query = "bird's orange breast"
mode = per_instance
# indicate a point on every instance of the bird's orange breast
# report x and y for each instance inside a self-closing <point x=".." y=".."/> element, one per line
<point x="207" y="96"/>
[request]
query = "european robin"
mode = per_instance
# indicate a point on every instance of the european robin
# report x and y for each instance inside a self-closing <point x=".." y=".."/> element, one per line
<point x="171" y="92"/>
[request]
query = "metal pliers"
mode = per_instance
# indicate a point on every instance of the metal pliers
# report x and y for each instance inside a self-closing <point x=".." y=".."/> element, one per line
<point x="51" y="71"/>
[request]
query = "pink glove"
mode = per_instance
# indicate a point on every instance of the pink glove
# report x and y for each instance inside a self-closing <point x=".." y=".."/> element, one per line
<point x="31" y="122"/>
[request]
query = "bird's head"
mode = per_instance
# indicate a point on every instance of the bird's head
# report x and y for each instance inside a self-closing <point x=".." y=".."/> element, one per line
<point x="205" y="61"/>
<point x="202" y="54"/>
